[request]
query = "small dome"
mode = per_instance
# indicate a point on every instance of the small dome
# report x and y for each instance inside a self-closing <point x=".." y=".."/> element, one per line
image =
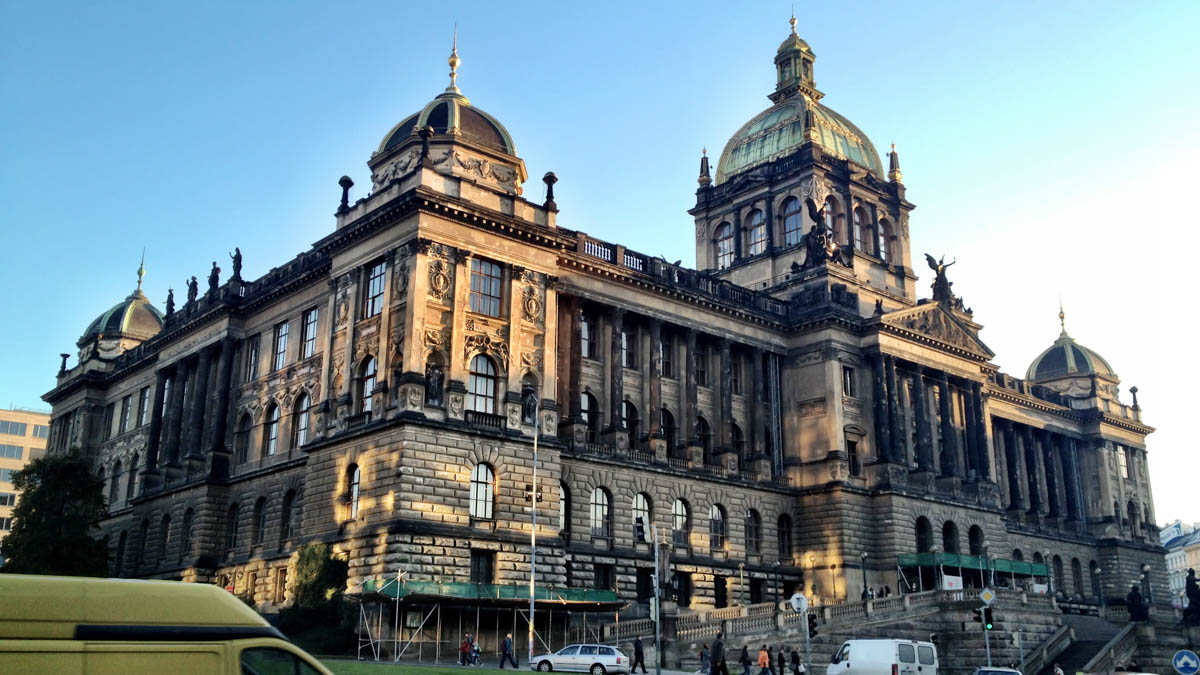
<point x="134" y="317"/>
<point x="794" y="41"/>
<point x="1067" y="358"/>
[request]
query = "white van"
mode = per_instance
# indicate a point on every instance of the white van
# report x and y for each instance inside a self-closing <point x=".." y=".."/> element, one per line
<point x="899" y="657"/>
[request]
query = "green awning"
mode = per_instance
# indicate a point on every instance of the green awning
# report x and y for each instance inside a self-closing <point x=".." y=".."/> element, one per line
<point x="972" y="562"/>
<point x="487" y="592"/>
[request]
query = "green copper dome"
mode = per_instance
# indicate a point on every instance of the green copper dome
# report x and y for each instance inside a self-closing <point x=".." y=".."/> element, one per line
<point x="1067" y="358"/>
<point x="780" y="130"/>
<point x="133" y="317"/>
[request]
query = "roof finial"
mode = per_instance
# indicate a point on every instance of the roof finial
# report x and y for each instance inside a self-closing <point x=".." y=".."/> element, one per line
<point x="141" y="269"/>
<point x="894" y="173"/>
<point x="453" y="61"/>
<point x="1062" y="319"/>
<point x="793" y="20"/>
<point x="705" y="178"/>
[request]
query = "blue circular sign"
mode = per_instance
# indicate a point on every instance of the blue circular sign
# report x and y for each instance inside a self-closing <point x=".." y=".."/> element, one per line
<point x="1186" y="662"/>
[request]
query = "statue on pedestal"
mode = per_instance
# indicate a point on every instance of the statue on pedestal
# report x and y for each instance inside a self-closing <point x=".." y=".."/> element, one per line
<point x="237" y="264"/>
<point x="434" y="385"/>
<point x="193" y="291"/>
<point x="170" y="301"/>
<point x="1191" y="614"/>
<point x="941" y="285"/>
<point x="214" y="278"/>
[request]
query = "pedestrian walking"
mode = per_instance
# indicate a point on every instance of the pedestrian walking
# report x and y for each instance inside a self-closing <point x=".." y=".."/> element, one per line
<point x="639" y="655"/>
<point x="463" y="648"/>
<point x="795" y="662"/>
<point x="476" y="658"/>
<point x="744" y="659"/>
<point x="506" y="652"/>
<point x="781" y="661"/>
<point x="764" y="661"/>
<point x="717" y="658"/>
<point x="703" y="660"/>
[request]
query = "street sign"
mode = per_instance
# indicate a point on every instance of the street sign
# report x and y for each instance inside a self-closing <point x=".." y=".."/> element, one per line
<point x="987" y="595"/>
<point x="799" y="603"/>
<point x="1186" y="662"/>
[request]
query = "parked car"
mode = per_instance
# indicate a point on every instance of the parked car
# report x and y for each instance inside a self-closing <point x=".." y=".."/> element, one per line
<point x="73" y="626"/>
<point x="898" y="657"/>
<point x="995" y="670"/>
<point x="588" y="658"/>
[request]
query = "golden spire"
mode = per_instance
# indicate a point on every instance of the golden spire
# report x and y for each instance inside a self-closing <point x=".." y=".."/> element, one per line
<point x="453" y="61"/>
<point x="1062" y="319"/>
<point x="793" y="22"/>
<point x="141" y="272"/>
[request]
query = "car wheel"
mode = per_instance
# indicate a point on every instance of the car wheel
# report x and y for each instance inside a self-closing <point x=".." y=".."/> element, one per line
<point x="544" y="667"/>
<point x="598" y="669"/>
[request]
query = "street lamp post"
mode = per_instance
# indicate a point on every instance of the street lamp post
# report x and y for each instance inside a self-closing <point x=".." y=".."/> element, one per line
<point x="742" y="582"/>
<point x="1146" y="581"/>
<point x="865" y="595"/>
<point x="812" y="564"/>
<point x="937" y="568"/>
<point x="1049" y="571"/>
<point x="776" y="566"/>
<point x="989" y="579"/>
<point x="533" y="504"/>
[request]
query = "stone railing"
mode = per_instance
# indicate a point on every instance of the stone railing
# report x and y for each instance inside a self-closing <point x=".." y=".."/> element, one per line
<point x="1115" y="653"/>
<point x="645" y="458"/>
<point x="629" y="629"/>
<point x="1050" y="648"/>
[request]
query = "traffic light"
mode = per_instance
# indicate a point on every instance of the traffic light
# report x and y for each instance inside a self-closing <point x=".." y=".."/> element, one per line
<point x="933" y="637"/>
<point x="987" y="619"/>
<point x="639" y="530"/>
<point x="812" y="625"/>
<point x="978" y="612"/>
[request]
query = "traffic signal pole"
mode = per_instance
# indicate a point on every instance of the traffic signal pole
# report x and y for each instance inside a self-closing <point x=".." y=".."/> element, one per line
<point x="657" y="608"/>
<point x="807" y="647"/>
<point x="987" y="642"/>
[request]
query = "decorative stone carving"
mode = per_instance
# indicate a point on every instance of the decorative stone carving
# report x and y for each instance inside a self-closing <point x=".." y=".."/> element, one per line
<point x="548" y="423"/>
<point x="514" y="416"/>
<point x="494" y="347"/>
<point x="439" y="280"/>
<point x="400" y="279"/>
<point x="700" y="230"/>
<point x="414" y="398"/>
<point x="812" y="407"/>
<point x="341" y="311"/>
<point x="435" y="378"/>
<point x="531" y="305"/>
<point x="532" y="361"/>
<point x="395" y="169"/>
<point x="456" y="405"/>
<point x="478" y="167"/>
<point x="363" y="347"/>
<point x="933" y="321"/>
<point x="529" y="402"/>
<point x="815" y="188"/>
<point x="437" y="338"/>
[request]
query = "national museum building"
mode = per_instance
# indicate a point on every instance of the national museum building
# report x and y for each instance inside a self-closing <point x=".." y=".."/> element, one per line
<point x="790" y="415"/>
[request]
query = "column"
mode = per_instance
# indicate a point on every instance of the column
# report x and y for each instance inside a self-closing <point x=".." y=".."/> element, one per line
<point x="776" y="414"/>
<point x="653" y="419"/>
<point x="769" y="214"/>
<point x="924" y="434"/>
<point x="983" y="464"/>
<point x="1070" y="477"/>
<point x="754" y="422"/>
<point x="199" y="399"/>
<point x="687" y="433"/>
<point x="737" y="234"/>
<point x="617" y="389"/>
<point x="897" y="451"/>
<point x="575" y="365"/>
<point x="220" y="409"/>
<point x="1047" y="443"/>
<point x="1031" y="469"/>
<point x="971" y="453"/>
<point x="175" y="411"/>
<point x="1012" y="465"/>
<point x="154" y="435"/>
<point x="949" y="435"/>
<point x="883" y="425"/>
<point x="725" y="416"/>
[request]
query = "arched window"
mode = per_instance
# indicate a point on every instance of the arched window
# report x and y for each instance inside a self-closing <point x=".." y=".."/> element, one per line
<point x="629" y="417"/>
<point x="793" y="222"/>
<point x="1037" y="557"/>
<point x="189" y="533"/>
<point x="271" y="431"/>
<point x="287" y="518"/>
<point x="924" y="535"/>
<point x="641" y="509"/>
<point x="1094" y="580"/>
<point x="681" y="522"/>
<point x="717" y="528"/>
<point x="131" y="481"/>
<point x="260" y="522"/>
<point x="753" y="532"/>
<point x="669" y="430"/>
<point x="164" y="537"/>
<point x="785" y="537"/>
<point x="119" y="559"/>
<point x="590" y="410"/>
<point x="231" y="528"/>
<point x="862" y="238"/>
<point x="300" y="421"/>
<point x="723" y="245"/>
<point x="885" y="240"/>
<point x="366" y="385"/>
<point x="600" y="513"/>
<point x="975" y="540"/>
<point x="756" y="233"/>
<point x="950" y="537"/>
<point x="1017" y="555"/>
<point x="564" y="511"/>
<point x="241" y="438"/>
<point x="481" y="385"/>
<point x="114" y="484"/>
<point x="353" y="483"/>
<point x="704" y="432"/>
<point x="1060" y="578"/>
<point x="143" y="551"/>
<point x="739" y="440"/>
<point x="483" y="492"/>
<point x="834" y="220"/>
<point x="1077" y="577"/>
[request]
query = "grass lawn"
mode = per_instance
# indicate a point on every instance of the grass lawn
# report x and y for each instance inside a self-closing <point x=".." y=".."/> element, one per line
<point x="348" y="667"/>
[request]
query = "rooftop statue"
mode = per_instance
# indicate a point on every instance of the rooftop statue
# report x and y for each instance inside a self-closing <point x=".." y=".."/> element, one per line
<point x="941" y="285"/>
<point x="237" y="264"/>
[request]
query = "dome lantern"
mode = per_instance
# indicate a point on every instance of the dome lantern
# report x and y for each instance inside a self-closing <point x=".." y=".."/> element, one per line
<point x="794" y="68"/>
<point x="125" y="324"/>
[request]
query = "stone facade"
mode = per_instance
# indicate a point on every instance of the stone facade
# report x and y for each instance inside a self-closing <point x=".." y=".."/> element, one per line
<point x="777" y="414"/>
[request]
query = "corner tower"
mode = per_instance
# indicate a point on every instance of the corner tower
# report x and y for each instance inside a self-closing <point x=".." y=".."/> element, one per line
<point x="801" y="199"/>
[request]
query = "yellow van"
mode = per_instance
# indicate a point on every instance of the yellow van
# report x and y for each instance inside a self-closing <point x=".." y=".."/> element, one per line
<point x="79" y="625"/>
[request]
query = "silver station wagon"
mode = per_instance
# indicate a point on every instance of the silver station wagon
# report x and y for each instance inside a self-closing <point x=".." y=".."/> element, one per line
<point x="594" y="659"/>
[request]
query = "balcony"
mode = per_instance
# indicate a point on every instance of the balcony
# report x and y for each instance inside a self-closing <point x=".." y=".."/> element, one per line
<point x="486" y="420"/>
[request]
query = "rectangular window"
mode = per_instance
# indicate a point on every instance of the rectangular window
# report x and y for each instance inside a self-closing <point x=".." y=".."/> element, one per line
<point x="1123" y="460"/>
<point x="12" y="428"/>
<point x="7" y="499"/>
<point x="126" y="412"/>
<point x="483" y="567"/>
<point x="373" y="300"/>
<point x="666" y="355"/>
<point x="41" y="431"/>
<point x="629" y="348"/>
<point x="308" y="334"/>
<point x="6" y="524"/>
<point x="251" y="359"/>
<point x="485" y="287"/>
<point x="6" y="475"/>
<point x="735" y="375"/>
<point x="848" y="388"/>
<point x="587" y="341"/>
<point x="855" y="460"/>
<point x="109" y="413"/>
<point x="280" y="585"/>
<point x="645" y="583"/>
<point x="11" y="452"/>
<point x="144" y="406"/>
<point x="604" y="578"/>
<point x="702" y="366"/>
<point x="281" y="336"/>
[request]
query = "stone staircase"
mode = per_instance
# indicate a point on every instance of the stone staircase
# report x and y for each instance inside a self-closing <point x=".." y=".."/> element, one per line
<point x="1091" y="635"/>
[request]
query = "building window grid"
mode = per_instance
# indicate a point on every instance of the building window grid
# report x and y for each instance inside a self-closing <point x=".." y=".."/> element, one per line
<point x="41" y="431"/>
<point x="11" y="451"/>
<point x="1122" y="461"/>
<point x="126" y="412"/>
<point x="757" y="233"/>
<point x="702" y="366"/>
<point x="481" y="385"/>
<point x="12" y="428"/>
<point x="666" y="356"/>
<point x="308" y="334"/>
<point x="793" y="226"/>
<point x="641" y="509"/>
<point x="486" y="287"/>
<point x="251" y="362"/>
<point x="587" y="342"/>
<point x="753" y="532"/>
<point x="281" y="339"/>
<point x="143" y="406"/>
<point x="724" y="245"/>
<point x="355" y="486"/>
<point x="600" y="513"/>
<point x="716" y="528"/>
<point x="271" y="432"/>
<point x="367" y="386"/>
<point x="109" y="412"/>
<point x="629" y="348"/>
<point x="373" y="302"/>
<point x="483" y="492"/>
<point x="300" y="424"/>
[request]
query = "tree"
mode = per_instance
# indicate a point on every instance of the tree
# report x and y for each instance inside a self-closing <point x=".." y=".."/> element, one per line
<point x="58" y="511"/>
<point x="319" y="576"/>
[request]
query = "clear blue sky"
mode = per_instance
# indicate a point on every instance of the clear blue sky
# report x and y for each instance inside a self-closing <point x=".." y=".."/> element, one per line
<point x="1049" y="147"/>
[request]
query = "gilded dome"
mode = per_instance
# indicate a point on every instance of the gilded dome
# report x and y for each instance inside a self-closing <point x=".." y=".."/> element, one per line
<point x="1067" y="358"/>
<point x="780" y="130"/>
<point x="134" y="317"/>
